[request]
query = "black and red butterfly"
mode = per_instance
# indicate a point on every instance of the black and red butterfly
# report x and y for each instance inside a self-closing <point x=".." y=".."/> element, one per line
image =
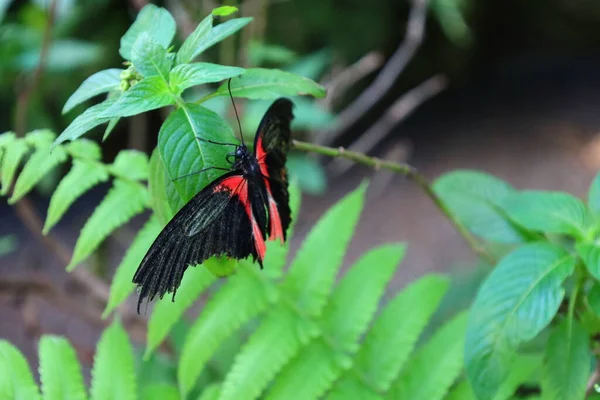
<point x="232" y="216"/>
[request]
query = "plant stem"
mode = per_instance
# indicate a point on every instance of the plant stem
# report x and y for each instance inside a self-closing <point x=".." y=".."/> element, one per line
<point x="411" y="173"/>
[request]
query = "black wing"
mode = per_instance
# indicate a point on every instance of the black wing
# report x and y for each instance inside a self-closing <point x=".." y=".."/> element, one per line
<point x="271" y="145"/>
<point x="219" y="220"/>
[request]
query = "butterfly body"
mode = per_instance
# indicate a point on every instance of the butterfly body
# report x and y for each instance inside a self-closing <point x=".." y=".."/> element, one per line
<point x="233" y="216"/>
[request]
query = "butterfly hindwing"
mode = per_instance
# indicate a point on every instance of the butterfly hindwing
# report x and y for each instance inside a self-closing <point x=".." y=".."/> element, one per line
<point x="271" y="145"/>
<point x="219" y="220"/>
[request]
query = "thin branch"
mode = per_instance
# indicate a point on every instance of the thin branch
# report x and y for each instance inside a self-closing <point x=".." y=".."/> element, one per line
<point x="384" y="81"/>
<point x="401" y="109"/>
<point x="411" y="173"/>
<point x="25" y="96"/>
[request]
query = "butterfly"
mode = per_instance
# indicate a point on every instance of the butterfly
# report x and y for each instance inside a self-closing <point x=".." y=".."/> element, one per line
<point x="232" y="216"/>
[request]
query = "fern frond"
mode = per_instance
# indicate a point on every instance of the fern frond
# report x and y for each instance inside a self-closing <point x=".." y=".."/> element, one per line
<point x="239" y="300"/>
<point x="313" y="271"/>
<point x="167" y="313"/>
<point x="121" y="285"/>
<point x="211" y="392"/>
<point x="130" y="164"/>
<point x="82" y="177"/>
<point x="360" y="291"/>
<point x="350" y="386"/>
<point x="398" y="327"/>
<point x="60" y="371"/>
<point x="16" y="381"/>
<point x="84" y="149"/>
<point x="113" y="374"/>
<point x="310" y="374"/>
<point x="160" y="391"/>
<point x="436" y="365"/>
<point x="13" y="154"/>
<point x="124" y="200"/>
<point x="256" y="364"/>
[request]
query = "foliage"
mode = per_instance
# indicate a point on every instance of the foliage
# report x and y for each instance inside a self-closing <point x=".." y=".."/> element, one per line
<point x="553" y="249"/>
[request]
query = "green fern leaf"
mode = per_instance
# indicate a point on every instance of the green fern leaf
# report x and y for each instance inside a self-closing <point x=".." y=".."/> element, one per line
<point x="398" y="327"/>
<point x="13" y="154"/>
<point x="5" y="139"/>
<point x="309" y="375"/>
<point x="167" y="312"/>
<point x="82" y="177"/>
<point x="121" y="285"/>
<point x="359" y="291"/>
<point x="461" y="391"/>
<point x="424" y="378"/>
<point x="130" y="164"/>
<point x="16" y="381"/>
<point x="84" y="149"/>
<point x="38" y="165"/>
<point x="315" y="267"/>
<point x="60" y="371"/>
<point x="350" y="387"/>
<point x="211" y="392"/>
<point x="158" y="182"/>
<point x="256" y="364"/>
<point x="123" y="201"/>
<point x="239" y="300"/>
<point x="40" y="138"/>
<point x="113" y="375"/>
<point x="160" y="391"/>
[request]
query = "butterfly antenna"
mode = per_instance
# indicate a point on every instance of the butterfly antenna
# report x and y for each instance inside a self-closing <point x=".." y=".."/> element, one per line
<point x="235" y="109"/>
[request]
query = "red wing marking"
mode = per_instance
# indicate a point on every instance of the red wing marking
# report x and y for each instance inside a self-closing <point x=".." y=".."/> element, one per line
<point x="238" y="185"/>
<point x="276" y="228"/>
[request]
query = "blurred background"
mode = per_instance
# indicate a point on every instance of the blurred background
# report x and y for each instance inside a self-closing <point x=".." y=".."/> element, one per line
<point x="510" y="88"/>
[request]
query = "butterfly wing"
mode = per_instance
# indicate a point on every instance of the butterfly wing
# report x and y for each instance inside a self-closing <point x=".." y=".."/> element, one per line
<point x="271" y="145"/>
<point x="219" y="220"/>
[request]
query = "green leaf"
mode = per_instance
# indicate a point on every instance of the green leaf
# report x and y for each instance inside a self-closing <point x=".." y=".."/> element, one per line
<point x="461" y="391"/>
<point x="37" y="166"/>
<point x="317" y="364"/>
<point x="82" y="177"/>
<point x="553" y="212"/>
<point x="262" y="83"/>
<point x="590" y="254"/>
<point x="235" y="303"/>
<point x="436" y="365"/>
<point x="476" y="199"/>
<point x="593" y="299"/>
<point x="398" y="327"/>
<point x="130" y="164"/>
<point x="188" y="51"/>
<point x="215" y="35"/>
<point x="594" y="195"/>
<point x="40" y="138"/>
<point x="187" y="75"/>
<point x="523" y="368"/>
<point x="183" y="154"/>
<point x="211" y="392"/>
<point x="121" y="285"/>
<point x="517" y="301"/>
<point x="89" y="119"/>
<point x="110" y="127"/>
<point x="224" y="11"/>
<point x="568" y="361"/>
<point x="100" y="82"/>
<point x="162" y="190"/>
<point x="314" y="269"/>
<point x="309" y="173"/>
<point x="280" y="329"/>
<point x="150" y="58"/>
<point x="148" y="94"/>
<point x="124" y="201"/>
<point x="167" y="312"/>
<point x="160" y="391"/>
<point x="60" y="371"/>
<point x="155" y="21"/>
<point x="16" y="381"/>
<point x="84" y="149"/>
<point x="113" y="375"/>
<point x="14" y="153"/>
<point x="360" y="291"/>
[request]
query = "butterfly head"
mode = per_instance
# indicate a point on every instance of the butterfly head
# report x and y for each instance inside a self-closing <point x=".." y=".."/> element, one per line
<point x="240" y="157"/>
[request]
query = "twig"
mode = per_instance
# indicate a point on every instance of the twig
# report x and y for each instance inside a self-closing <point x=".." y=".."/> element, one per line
<point x="401" y="109"/>
<point x="411" y="173"/>
<point x="591" y="384"/>
<point x="24" y="97"/>
<point x="350" y="75"/>
<point x="385" y="79"/>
